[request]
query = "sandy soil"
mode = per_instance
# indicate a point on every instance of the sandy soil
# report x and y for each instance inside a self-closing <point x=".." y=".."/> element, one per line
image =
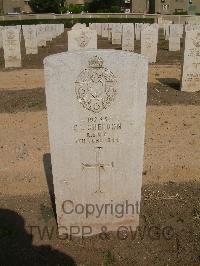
<point x="171" y="187"/>
<point x="24" y="79"/>
<point x="171" y="148"/>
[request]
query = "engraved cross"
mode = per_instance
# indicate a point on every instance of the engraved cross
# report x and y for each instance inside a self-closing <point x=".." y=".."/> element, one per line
<point x="99" y="167"/>
<point x="196" y="65"/>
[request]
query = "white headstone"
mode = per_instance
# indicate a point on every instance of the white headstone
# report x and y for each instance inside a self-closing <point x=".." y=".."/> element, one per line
<point x="48" y="32"/>
<point x="41" y="38"/>
<point x="1" y="37"/>
<point x="19" y="27"/>
<point x="138" y="29"/>
<point x="181" y="30"/>
<point x="104" y="30"/>
<point x="82" y="39"/>
<point x="149" y="42"/>
<point x="60" y="28"/>
<point x="128" y="37"/>
<point x="79" y="26"/>
<point x="194" y="20"/>
<point x="30" y="37"/>
<point x="189" y="27"/>
<point x="164" y="25"/>
<point x="116" y="33"/>
<point x="191" y="66"/>
<point x="110" y="25"/>
<point x="166" y="31"/>
<point x="92" y="26"/>
<point x="99" y="29"/>
<point x="176" y="32"/>
<point x="11" y="46"/>
<point x="96" y="116"/>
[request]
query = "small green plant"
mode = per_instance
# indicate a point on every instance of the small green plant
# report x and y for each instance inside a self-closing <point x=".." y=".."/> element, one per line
<point x="108" y="258"/>
<point x="33" y="104"/>
<point x="46" y="213"/>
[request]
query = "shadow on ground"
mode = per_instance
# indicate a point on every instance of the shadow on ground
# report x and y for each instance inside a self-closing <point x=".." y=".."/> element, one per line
<point x="49" y="178"/>
<point x="17" y="248"/>
<point x="171" y="82"/>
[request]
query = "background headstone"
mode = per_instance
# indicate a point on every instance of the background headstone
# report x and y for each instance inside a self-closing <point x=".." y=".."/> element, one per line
<point x="11" y="46"/>
<point x="79" y="26"/>
<point x="149" y="42"/>
<point x="41" y="41"/>
<point x="128" y="37"/>
<point x="191" y="66"/>
<point x="117" y="33"/>
<point x="104" y="30"/>
<point x="82" y="39"/>
<point x="30" y="37"/>
<point x="1" y="37"/>
<point x="138" y="29"/>
<point x="176" y="33"/>
<point x="99" y="29"/>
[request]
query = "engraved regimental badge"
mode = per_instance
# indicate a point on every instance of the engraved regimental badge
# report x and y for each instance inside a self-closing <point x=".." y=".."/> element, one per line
<point x="83" y="39"/>
<point x="96" y="86"/>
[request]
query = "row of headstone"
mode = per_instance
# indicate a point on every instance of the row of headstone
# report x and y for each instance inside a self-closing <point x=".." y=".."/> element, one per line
<point x="172" y="33"/>
<point x="191" y="64"/>
<point x="138" y="29"/>
<point x="106" y="30"/>
<point x="126" y="34"/>
<point x="117" y="33"/>
<point x="34" y="36"/>
<point x="164" y="25"/>
<point x="37" y="35"/>
<point x="83" y="38"/>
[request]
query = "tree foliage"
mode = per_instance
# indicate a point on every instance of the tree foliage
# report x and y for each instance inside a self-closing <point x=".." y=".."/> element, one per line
<point x="46" y="6"/>
<point x="58" y="6"/>
<point x="105" y="6"/>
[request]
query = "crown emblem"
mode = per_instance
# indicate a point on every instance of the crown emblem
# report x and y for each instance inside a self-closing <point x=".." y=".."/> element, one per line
<point x="96" y="62"/>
